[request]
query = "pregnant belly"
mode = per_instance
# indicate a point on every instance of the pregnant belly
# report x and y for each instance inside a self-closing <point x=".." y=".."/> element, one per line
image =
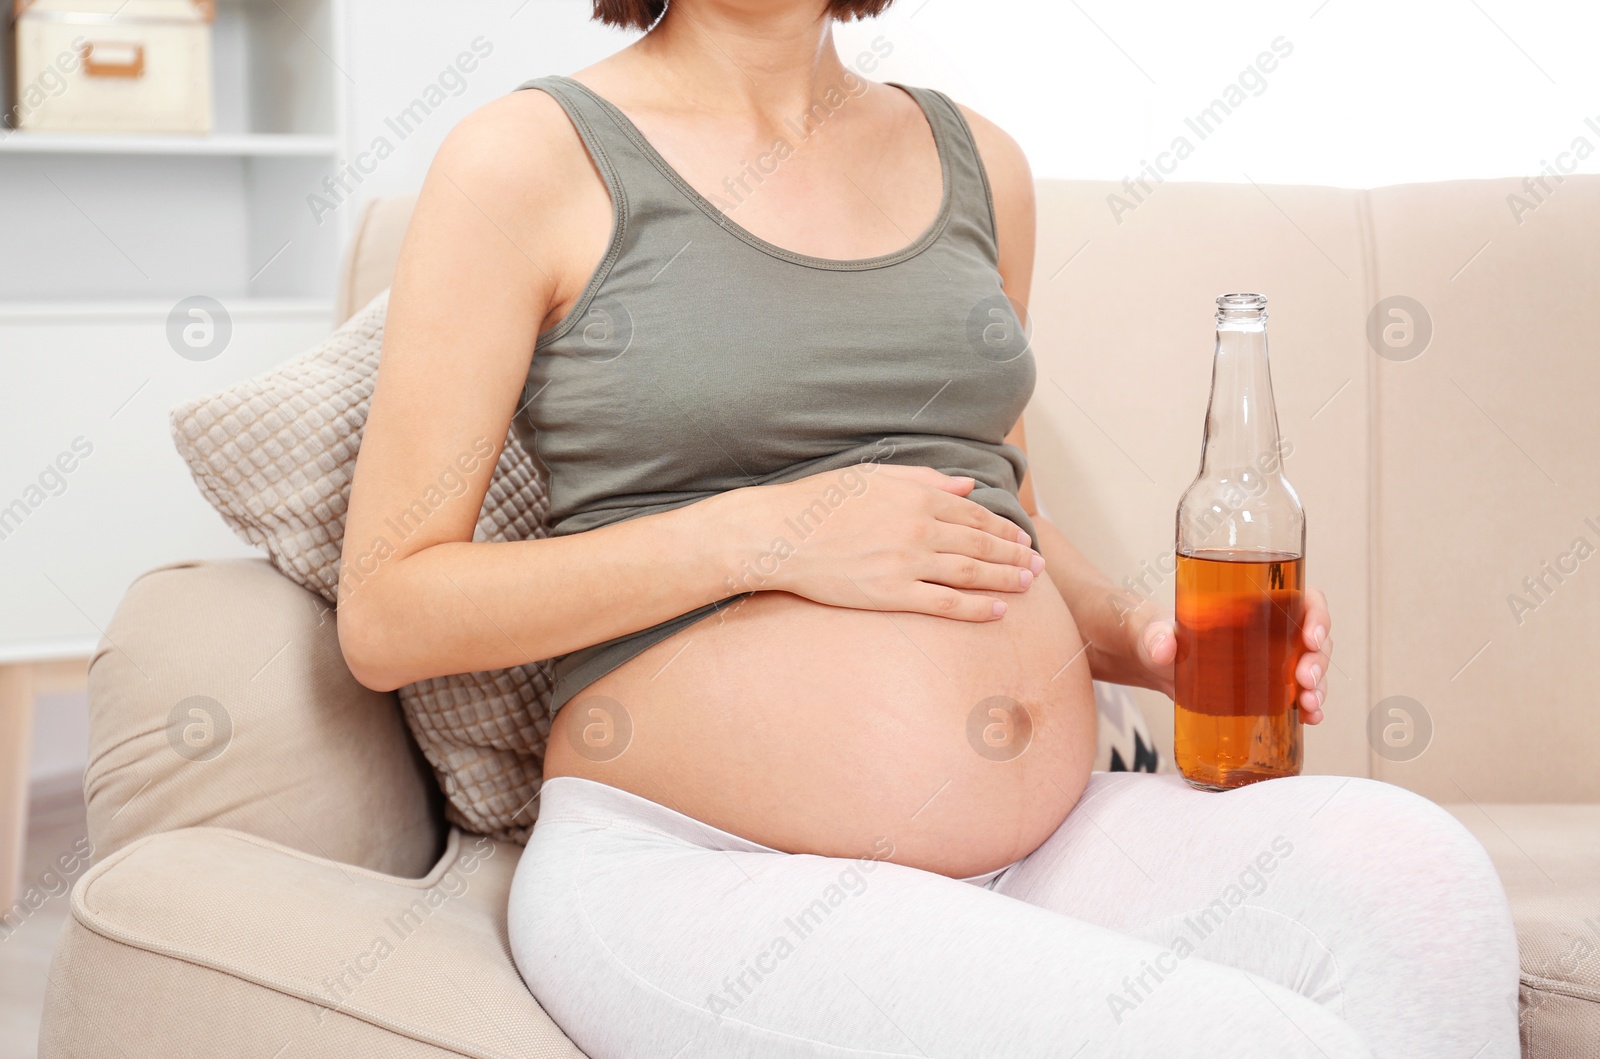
<point x="949" y="746"/>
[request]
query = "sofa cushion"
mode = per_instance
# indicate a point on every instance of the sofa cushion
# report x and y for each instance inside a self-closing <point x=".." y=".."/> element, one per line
<point x="218" y="696"/>
<point x="1548" y="857"/>
<point x="297" y="947"/>
<point x="122" y="1011"/>
<point x="275" y="456"/>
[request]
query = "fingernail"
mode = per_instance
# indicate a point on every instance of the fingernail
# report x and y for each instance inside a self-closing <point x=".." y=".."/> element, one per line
<point x="1319" y="634"/>
<point x="1027" y="578"/>
<point x="999" y="608"/>
<point x="1023" y="539"/>
<point x="1321" y="698"/>
<point x="1037" y="564"/>
<point x="1316" y="675"/>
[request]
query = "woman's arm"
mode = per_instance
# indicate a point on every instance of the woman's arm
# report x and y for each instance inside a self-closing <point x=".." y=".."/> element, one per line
<point x="1119" y="627"/>
<point x="502" y="206"/>
<point x="1105" y="615"/>
<point x="1130" y="640"/>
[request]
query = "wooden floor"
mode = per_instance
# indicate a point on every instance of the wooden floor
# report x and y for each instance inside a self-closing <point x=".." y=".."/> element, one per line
<point x="56" y="825"/>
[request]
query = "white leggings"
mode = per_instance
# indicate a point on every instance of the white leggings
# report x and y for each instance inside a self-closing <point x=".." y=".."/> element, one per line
<point x="1319" y="917"/>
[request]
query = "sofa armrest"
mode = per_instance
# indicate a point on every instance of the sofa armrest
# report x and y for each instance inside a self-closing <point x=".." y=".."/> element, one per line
<point x="219" y="696"/>
<point x="373" y="251"/>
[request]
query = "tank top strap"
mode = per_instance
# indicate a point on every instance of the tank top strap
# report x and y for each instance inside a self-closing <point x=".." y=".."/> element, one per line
<point x="971" y="200"/>
<point x="626" y="162"/>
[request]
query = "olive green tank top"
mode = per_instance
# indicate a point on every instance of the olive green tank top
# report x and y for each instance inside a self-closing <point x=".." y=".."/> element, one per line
<point x="701" y="358"/>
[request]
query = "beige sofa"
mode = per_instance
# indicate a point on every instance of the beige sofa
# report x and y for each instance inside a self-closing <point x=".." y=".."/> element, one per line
<point x="299" y="894"/>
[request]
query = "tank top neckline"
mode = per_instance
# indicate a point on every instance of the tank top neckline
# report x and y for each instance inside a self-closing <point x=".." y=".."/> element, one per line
<point x="728" y="224"/>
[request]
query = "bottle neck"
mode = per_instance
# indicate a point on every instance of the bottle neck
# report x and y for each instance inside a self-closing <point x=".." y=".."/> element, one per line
<point x="1241" y="440"/>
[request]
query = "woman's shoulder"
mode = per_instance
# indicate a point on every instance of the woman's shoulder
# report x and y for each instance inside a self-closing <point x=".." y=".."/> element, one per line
<point x="513" y="182"/>
<point x="1003" y="158"/>
<point x="1011" y="190"/>
<point x="520" y="148"/>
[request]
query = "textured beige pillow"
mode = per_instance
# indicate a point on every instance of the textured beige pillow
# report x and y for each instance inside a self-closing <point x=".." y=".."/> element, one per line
<point x="275" y="455"/>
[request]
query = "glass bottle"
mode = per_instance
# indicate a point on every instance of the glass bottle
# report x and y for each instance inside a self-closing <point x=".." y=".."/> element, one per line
<point x="1241" y="575"/>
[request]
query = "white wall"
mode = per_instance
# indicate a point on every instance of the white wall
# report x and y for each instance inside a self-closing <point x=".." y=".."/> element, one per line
<point x="1371" y="92"/>
<point x="1374" y="91"/>
<point x="401" y="48"/>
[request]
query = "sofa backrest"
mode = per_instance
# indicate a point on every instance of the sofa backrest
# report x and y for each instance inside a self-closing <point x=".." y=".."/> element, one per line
<point x="1444" y="480"/>
<point x="1436" y="479"/>
<point x="369" y="260"/>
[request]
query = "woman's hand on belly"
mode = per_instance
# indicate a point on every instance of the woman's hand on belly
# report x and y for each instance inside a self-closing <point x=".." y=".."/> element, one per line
<point x="883" y="538"/>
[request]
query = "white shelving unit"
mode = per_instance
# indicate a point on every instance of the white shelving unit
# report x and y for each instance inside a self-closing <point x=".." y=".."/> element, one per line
<point x="101" y="236"/>
<point x="261" y="145"/>
<point x="93" y="217"/>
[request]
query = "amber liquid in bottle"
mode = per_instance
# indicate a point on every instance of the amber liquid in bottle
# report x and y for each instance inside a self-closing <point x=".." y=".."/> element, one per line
<point x="1239" y="640"/>
<point x="1241" y="576"/>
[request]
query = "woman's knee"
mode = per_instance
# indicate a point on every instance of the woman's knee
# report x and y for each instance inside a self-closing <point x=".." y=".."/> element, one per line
<point x="1392" y="861"/>
<point x="1393" y="830"/>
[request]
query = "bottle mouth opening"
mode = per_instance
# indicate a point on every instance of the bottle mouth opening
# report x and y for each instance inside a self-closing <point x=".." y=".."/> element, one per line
<point x="1242" y="302"/>
<point x="1242" y="311"/>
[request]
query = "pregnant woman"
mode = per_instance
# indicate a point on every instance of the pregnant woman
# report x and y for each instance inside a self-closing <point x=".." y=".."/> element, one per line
<point x="818" y="783"/>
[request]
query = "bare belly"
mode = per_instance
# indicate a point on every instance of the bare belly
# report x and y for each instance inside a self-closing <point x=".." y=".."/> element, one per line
<point x="945" y="745"/>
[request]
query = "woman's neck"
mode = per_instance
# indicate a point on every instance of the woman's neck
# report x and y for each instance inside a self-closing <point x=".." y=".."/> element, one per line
<point x="743" y="58"/>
